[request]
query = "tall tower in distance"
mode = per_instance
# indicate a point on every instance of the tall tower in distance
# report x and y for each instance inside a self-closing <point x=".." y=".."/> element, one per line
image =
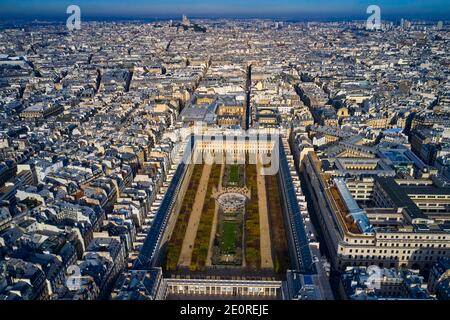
<point x="185" y="21"/>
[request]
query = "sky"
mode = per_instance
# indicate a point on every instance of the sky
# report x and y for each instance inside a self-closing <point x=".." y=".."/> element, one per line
<point x="289" y="9"/>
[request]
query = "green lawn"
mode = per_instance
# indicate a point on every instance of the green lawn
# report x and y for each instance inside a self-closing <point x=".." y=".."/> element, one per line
<point x="252" y="232"/>
<point x="234" y="174"/>
<point x="228" y="243"/>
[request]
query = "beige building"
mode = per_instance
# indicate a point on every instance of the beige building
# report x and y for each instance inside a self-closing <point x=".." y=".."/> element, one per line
<point x="399" y="234"/>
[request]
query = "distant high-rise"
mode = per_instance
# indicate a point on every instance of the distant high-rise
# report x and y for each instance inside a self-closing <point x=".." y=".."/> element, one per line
<point x="405" y="24"/>
<point x="185" y="21"/>
<point x="440" y="25"/>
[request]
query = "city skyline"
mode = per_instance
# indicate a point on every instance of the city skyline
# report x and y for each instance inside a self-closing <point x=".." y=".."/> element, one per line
<point x="185" y="158"/>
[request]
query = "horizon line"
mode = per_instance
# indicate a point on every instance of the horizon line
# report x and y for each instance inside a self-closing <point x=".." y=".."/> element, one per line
<point x="176" y="17"/>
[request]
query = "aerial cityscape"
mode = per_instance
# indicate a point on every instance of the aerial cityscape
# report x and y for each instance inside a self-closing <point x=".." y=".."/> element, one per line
<point x="213" y="158"/>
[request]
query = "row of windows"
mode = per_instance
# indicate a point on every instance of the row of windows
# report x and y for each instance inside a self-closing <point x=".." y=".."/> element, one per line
<point x="429" y="197"/>
<point x="413" y="237"/>
<point x="419" y="252"/>
<point x="415" y="245"/>
<point x="383" y="257"/>
<point x="360" y="241"/>
<point x="432" y="205"/>
<point x="359" y="186"/>
<point x="375" y="250"/>
<point x="361" y="191"/>
<point x="378" y="218"/>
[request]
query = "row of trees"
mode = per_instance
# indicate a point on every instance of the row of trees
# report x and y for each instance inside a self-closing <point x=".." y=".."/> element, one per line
<point x="252" y="230"/>
<point x="279" y="241"/>
<point x="202" y="240"/>
<point x="176" y="241"/>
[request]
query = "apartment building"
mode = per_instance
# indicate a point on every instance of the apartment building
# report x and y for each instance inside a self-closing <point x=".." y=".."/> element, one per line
<point x="394" y="233"/>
